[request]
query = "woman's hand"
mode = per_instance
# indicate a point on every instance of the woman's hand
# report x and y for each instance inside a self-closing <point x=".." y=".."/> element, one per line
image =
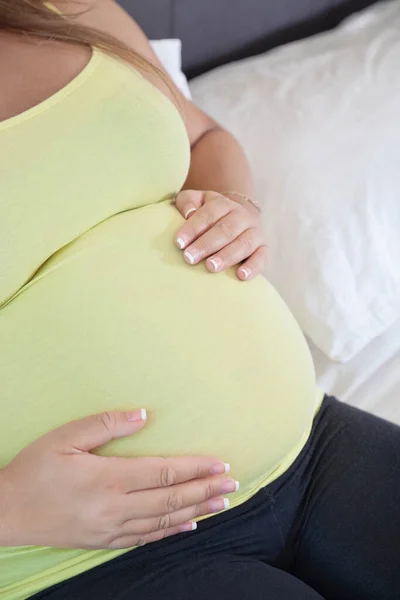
<point x="223" y="231"/>
<point x="56" y="493"/>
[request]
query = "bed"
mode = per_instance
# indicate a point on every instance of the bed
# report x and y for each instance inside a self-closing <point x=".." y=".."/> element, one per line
<point x="217" y="32"/>
<point x="370" y="381"/>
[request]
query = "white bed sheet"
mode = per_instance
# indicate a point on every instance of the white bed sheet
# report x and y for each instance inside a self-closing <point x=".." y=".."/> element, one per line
<point x="371" y="381"/>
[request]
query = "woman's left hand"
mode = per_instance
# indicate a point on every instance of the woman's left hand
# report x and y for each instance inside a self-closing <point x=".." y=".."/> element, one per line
<point x="223" y="231"/>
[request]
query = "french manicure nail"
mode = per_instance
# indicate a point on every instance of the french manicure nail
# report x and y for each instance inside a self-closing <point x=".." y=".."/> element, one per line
<point x="180" y="242"/>
<point x="190" y="256"/>
<point x="189" y="211"/>
<point x="216" y="263"/>
<point x="246" y="273"/>
<point x="138" y="415"/>
<point x="230" y="486"/>
<point x="220" y="469"/>
<point x="218" y="504"/>
<point x="192" y="526"/>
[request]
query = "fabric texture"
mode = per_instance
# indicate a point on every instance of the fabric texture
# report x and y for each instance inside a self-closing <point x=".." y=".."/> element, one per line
<point x="99" y="311"/>
<point x="327" y="529"/>
<point x="319" y="122"/>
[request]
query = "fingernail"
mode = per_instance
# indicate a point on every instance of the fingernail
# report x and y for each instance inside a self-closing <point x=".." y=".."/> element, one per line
<point x="218" y="504"/>
<point x="229" y="486"/>
<point x="190" y="211"/>
<point x="181" y="242"/>
<point x="246" y="273"/>
<point x="191" y="256"/>
<point x="138" y="415"/>
<point x="192" y="526"/>
<point x="216" y="263"/>
<point x="220" y="469"/>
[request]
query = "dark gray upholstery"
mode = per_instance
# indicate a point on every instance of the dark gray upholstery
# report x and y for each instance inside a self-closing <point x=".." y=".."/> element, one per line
<point x="218" y="31"/>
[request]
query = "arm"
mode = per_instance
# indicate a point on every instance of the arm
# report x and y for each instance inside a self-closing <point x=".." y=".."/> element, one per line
<point x="219" y="163"/>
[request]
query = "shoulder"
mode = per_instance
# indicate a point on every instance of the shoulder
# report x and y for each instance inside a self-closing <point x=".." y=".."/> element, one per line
<point x="108" y="16"/>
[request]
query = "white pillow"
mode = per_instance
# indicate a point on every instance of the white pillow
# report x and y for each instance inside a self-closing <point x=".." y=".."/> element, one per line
<point x="169" y="53"/>
<point x="320" y="121"/>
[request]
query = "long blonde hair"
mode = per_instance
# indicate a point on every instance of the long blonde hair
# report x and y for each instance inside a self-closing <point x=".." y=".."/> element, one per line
<point x="35" y="18"/>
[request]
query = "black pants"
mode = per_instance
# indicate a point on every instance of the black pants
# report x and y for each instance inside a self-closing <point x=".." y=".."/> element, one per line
<point x="328" y="528"/>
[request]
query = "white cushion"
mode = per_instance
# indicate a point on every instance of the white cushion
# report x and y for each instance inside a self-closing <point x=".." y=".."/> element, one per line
<point x="320" y="121"/>
<point x="169" y="53"/>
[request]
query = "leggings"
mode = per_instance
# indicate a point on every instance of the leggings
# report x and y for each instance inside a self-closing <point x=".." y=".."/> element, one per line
<point x="328" y="529"/>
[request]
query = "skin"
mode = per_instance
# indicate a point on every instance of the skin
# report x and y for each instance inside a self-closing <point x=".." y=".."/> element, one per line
<point x="137" y="500"/>
<point x="56" y="493"/>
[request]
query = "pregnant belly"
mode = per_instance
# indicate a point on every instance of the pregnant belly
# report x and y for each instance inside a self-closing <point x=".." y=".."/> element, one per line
<point x="117" y="320"/>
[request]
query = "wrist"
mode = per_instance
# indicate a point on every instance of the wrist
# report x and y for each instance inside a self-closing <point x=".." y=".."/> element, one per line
<point x="244" y="200"/>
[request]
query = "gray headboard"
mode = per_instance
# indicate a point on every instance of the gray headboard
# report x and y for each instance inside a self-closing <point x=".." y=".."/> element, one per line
<point x="217" y="31"/>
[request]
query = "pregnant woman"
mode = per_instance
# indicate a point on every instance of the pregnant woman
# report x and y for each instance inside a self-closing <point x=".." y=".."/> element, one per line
<point x="114" y="297"/>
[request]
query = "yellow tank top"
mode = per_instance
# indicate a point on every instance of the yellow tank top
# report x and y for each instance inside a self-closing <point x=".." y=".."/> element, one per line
<point x="98" y="310"/>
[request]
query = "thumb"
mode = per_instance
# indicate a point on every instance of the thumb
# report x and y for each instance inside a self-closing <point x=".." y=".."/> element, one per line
<point x="188" y="201"/>
<point x="91" y="432"/>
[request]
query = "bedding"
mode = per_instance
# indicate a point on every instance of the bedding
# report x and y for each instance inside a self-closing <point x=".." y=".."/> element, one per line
<point x="319" y="121"/>
<point x="169" y="53"/>
<point x="371" y="380"/>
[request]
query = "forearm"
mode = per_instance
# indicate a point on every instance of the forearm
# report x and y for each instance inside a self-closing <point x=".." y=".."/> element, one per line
<point x="219" y="164"/>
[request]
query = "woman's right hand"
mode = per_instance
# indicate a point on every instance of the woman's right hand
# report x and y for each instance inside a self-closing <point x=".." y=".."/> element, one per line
<point x="56" y="493"/>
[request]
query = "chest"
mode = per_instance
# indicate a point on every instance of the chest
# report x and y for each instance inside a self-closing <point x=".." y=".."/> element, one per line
<point x="33" y="70"/>
<point x="107" y="142"/>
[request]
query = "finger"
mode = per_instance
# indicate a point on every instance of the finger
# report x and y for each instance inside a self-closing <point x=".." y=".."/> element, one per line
<point x="254" y="265"/>
<point x="180" y="517"/>
<point x="188" y="201"/>
<point x="156" y="502"/>
<point x="204" y="218"/>
<point x="235" y="252"/>
<point x="129" y="541"/>
<point x="220" y="235"/>
<point x="91" y="432"/>
<point x="133" y="474"/>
